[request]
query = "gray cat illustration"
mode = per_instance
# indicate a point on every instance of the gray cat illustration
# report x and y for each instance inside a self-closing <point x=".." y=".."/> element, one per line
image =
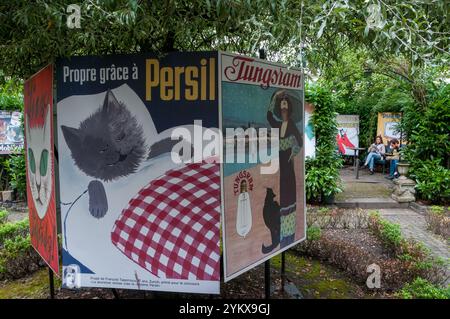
<point x="108" y="145"/>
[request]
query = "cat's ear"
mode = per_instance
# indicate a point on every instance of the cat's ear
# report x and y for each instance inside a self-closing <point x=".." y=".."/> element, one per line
<point x="110" y="102"/>
<point x="72" y="137"/>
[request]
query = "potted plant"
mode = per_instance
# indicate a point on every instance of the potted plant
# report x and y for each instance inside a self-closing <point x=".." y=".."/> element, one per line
<point x="323" y="183"/>
<point x="5" y="193"/>
<point x="330" y="186"/>
<point x="4" y="182"/>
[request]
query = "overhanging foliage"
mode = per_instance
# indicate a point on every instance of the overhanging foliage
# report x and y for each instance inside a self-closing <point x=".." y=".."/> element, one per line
<point x="35" y="33"/>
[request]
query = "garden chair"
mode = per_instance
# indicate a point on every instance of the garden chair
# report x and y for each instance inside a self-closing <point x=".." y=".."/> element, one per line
<point x="383" y="161"/>
<point x="383" y="164"/>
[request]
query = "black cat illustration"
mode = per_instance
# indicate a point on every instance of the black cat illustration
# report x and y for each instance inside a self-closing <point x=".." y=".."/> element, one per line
<point x="271" y="215"/>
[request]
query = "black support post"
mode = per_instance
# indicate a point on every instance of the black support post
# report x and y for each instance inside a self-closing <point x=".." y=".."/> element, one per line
<point x="51" y="282"/>
<point x="115" y="293"/>
<point x="267" y="278"/>
<point x="283" y="270"/>
<point x="262" y="55"/>
<point x="357" y="168"/>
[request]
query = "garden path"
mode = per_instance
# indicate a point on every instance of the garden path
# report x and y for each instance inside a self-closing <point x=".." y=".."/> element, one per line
<point x="15" y="216"/>
<point x="413" y="226"/>
<point x="367" y="192"/>
<point x="367" y="186"/>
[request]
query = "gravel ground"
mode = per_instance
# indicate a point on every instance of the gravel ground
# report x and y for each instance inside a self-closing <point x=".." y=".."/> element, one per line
<point x="362" y="237"/>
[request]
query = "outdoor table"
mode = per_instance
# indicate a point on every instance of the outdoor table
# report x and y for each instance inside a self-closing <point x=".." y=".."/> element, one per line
<point x="356" y="160"/>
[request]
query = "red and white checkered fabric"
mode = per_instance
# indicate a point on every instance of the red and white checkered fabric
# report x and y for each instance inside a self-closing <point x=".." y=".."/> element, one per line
<point x="171" y="227"/>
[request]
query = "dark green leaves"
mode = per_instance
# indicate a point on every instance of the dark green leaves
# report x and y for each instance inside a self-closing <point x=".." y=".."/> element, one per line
<point x="33" y="34"/>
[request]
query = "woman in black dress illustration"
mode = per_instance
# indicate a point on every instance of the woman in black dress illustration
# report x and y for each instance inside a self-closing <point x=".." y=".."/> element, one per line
<point x="290" y="141"/>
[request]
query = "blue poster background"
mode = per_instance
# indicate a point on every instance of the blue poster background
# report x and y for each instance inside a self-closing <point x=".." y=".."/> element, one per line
<point x="165" y="114"/>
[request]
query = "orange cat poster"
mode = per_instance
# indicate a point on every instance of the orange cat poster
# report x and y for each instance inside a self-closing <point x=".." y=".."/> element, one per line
<point x="38" y="121"/>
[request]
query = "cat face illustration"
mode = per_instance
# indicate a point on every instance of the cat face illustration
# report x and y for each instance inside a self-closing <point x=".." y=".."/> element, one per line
<point x="40" y="164"/>
<point x="109" y="144"/>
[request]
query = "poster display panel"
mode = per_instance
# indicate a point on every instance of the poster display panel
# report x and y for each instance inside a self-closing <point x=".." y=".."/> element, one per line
<point x="140" y="201"/>
<point x="387" y="126"/>
<point x="347" y="136"/>
<point x="263" y="152"/>
<point x="310" y="137"/>
<point x="40" y="169"/>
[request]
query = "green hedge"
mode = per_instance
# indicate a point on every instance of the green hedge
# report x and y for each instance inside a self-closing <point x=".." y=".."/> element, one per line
<point x="3" y="216"/>
<point x="17" y="256"/>
<point x="322" y="172"/>
<point x="423" y="289"/>
<point x="11" y="230"/>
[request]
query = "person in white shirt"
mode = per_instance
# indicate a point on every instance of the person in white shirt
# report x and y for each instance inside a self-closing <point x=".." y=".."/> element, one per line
<point x="376" y="153"/>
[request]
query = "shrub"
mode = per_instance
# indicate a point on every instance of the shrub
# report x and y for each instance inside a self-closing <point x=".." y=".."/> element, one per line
<point x="428" y="148"/>
<point x="422" y="289"/>
<point x="18" y="258"/>
<point x="13" y="247"/>
<point x="16" y="168"/>
<point x="389" y="233"/>
<point x="11" y="97"/>
<point x="438" y="210"/>
<point x="427" y="127"/>
<point x="416" y="259"/>
<point x="322" y="172"/>
<point x="354" y="259"/>
<point x="327" y="218"/>
<point x="3" y="216"/>
<point x="433" y="181"/>
<point x="12" y="230"/>
<point x="313" y="233"/>
<point x="438" y="221"/>
<point x="321" y="181"/>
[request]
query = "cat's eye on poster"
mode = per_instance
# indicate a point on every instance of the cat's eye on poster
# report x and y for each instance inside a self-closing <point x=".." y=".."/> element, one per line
<point x="31" y="161"/>
<point x="43" y="163"/>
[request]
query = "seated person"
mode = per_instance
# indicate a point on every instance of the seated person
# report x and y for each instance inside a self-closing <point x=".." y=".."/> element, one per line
<point x="376" y="153"/>
<point x="393" y="157"/>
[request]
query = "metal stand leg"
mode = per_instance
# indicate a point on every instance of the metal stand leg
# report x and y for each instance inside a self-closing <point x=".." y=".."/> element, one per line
<point x="357" y="168"/>
<point x="115" y="293"/>
<point x="222" y="273"/>
<point x="51" y="283"/>
<point x="283" y="270"/>
<point x="267" y="278"/>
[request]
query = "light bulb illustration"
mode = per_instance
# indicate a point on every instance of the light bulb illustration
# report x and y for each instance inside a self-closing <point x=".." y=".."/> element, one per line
<point x="244" y="211"/>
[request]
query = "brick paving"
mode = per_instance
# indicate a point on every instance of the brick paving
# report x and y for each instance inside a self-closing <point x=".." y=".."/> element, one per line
<point x="413" y="226"/>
